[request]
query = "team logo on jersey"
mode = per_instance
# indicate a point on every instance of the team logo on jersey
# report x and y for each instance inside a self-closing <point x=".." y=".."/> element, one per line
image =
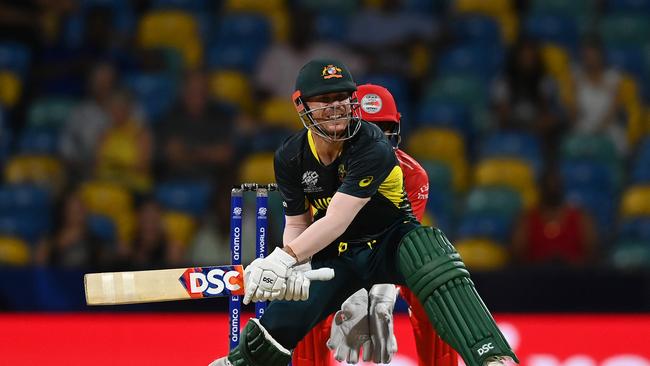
<point x="331" y="71"/>
<point x="341" y="172"/>
<point x="371" y="103"/>
<point x="309" y="181"/>
<point x="366" y="181"/>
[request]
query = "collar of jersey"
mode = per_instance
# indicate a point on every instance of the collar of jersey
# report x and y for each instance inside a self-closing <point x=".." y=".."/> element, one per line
<point x="312" y="145"/>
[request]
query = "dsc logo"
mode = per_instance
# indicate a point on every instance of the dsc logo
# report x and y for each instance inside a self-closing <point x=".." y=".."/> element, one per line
<point x="212" y="281"/>
<point x="485" y="349"/>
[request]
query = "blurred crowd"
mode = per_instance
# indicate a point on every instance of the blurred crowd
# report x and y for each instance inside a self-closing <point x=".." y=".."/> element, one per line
<point x="124" y="124"/>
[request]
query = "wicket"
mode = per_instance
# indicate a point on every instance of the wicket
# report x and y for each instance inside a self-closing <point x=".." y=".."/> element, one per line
<point x="261" y="223"/>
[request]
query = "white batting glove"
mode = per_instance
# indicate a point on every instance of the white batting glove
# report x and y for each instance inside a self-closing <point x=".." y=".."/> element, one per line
<point x="266" y="278"/>
<point x="350" y="332"/>
<point x="382" y="301"/>
<point x="299" y="281"/>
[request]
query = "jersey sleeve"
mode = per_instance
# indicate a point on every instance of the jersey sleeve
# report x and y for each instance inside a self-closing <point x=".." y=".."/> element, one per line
<point x="368" y="168"/>
<point x="416" y="183"/>
<point x="286" y="176"/>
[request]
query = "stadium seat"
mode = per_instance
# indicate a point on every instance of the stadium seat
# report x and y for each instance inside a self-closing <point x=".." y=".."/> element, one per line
<point x="232" y="87"/>
<point x="193" y="6"/>
<point x="514" y="173"/>
<point x="491" y="8"/>
<point x="280" y="112"/>
<point x="625" y="30"/>
<point x="156" y="92"/>
<point x="628" y="6"/>
<point x="16" y="58"/>
<point x="482" y="254"/>
<point x="44" y="171"/>
<point x="257" y="168"/>
<point x="641" y="163"/>
<point x="190" y="197"/>
<point x="243" y="28"/>
<point x="172" y="29"/>
<point x="180" y="227"/>
<point x="14" y="251"/>
<point x="487" y="226"/>
<point x="49" y="112"/>
<point x="561" y="7"/>
<point x="39" y="141"/>
<point x="589" y="147"/>
<point x="343" y="7"/>
<point x="10" y="88"/>
<point x="29" y="227"/>
<point x="254" y="6"/>
<point x="482" y="61"/>
<point x="440" y="206"/>
<point x="112" y="201"/>
<point x="512" y="144"/>
<point x="234" y="56"/>
<point x="443" y="145"/>
<point x="331" y="27"/>
<point x="590" y="175"/>
<point x="628" y="59"/>
<point x="636" y="201"/>
<point x="495" y="201"/>
<point x="477" y="29"/>
<point x="560" y="30"/>
<point x="462" y="89"/>
<point x="631" y="255"/>
<point x="636" y="228"/>
<point x="600" y="205"/>
<point x="103" y="227"/>
<point x="23" y="199"/>
<point x="438" y="113"/>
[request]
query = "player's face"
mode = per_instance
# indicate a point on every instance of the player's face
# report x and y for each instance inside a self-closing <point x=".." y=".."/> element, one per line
<point x="331" y="112"/>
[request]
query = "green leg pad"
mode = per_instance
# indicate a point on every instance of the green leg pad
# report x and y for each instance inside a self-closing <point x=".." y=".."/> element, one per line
<point x="436" y="274"/>
<point x="257" y="348"/>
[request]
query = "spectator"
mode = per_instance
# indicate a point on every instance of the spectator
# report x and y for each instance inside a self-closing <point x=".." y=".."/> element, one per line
<point x="554" y="231"/>
<point x="277" y="68"/>
<point x="152" y="247"/>
<point x="523" y="97"/>
<point x="596" y="97"/>
<point x="124" y="150"/>
<point x="71" y="244"/>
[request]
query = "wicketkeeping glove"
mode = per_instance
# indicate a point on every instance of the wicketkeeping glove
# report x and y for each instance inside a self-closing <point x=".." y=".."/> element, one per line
<point x="382" y="301"/>
<point x="350" y="332"/>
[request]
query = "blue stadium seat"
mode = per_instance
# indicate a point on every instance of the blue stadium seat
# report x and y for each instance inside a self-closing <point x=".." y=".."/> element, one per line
<point x="628" y="59"/>
<point x="631" y="255"/>
<point x="641" y="163"/>
<point x="553" y="29"/>
<point x="419" y="6"/>
<point x="600" y="205"/>
<point x="194" y="6"/>
<point x="15" y="57"/>
<point x="495" y="200"/>
<point x="39" y="141"/>
<point x="29" y="227"/>
<point x="628" y="6"/>
<point x="637" y="228"/>
<point x="186" y="196"/>
<point x="476" y="28"/>
<point x="590" y="175"/>
<point x="440" y="113"/>
<point x="484" y="61"/>
<point x="514" y="145"/>
<point x="156" y="93"/>
<point x="243" y="28"/>
<point x="24" y="199"/>
<point x="124" y="19"/>
<point x="331" y="27"/>
<point x="102" y="227"/>
<point x="440" y="206"/>
<point x="485" y="226"/>
<point x="242" y="57"/>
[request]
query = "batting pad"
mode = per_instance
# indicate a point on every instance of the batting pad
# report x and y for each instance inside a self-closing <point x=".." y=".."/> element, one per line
<point x="258" y="348"/>
<point x="436" y="274"/>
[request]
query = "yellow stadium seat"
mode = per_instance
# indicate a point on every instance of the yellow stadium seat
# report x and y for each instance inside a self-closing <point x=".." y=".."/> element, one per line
<point x="232" y="87"/>
<point x="254" y="6"/>
<point x="10" y="88"/>
<point x="630" y="99"/>
<point x="491" y="7"/>
<point x="258" y="168"/>
<point x="280" y="112"/>
<point x="172" y="29"/>
<point x="482" y="254"/>
<point x="557" y="61"/>
<point x="443" y="145"/>
<point x="636" y="201"/>
<point x="180" y="227"/>
<point x="37" y="169"/>
<point x="113" y="201"/>
<point x="513" y="173"/>
<point x="509" y="26"/>
<point x="14" y="251"/>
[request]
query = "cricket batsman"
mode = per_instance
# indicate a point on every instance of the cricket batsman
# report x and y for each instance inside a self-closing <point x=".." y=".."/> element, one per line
<point x="363" y="228"/>
<point x="378" y="106"/>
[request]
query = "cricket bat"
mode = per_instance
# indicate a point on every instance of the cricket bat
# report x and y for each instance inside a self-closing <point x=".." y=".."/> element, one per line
<point x="114" y="288"/>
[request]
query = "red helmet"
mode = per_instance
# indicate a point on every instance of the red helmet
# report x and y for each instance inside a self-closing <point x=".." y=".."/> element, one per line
<point x="377" y="104"/>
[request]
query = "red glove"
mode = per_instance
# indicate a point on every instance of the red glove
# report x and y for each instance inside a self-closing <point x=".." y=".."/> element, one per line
<point x="312" y="350"/>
